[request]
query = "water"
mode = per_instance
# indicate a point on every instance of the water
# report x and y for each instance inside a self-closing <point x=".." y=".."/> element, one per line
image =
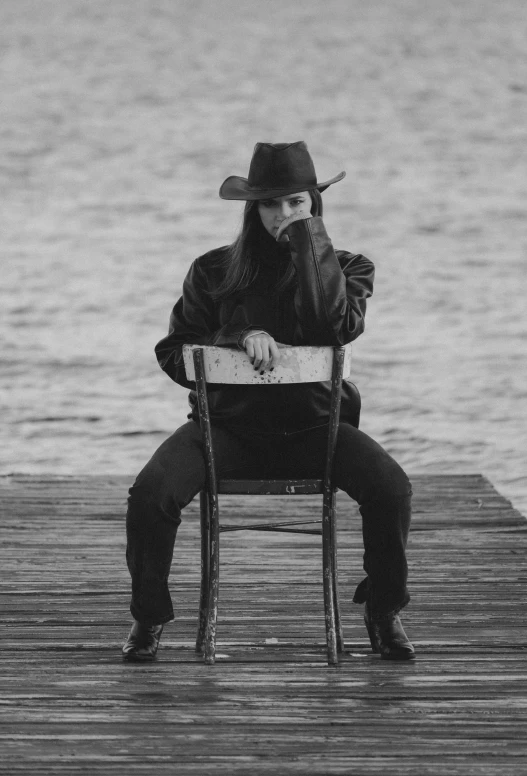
<point x="119" y="122"/>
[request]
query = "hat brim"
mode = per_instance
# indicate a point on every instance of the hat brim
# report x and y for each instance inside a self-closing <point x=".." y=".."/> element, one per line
<point x="236" y="187"/>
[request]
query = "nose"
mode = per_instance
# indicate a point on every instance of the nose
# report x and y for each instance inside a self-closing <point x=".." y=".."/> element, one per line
<point x="284" y="211"/>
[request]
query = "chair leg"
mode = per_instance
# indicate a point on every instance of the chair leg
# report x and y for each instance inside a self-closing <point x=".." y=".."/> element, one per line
<point x="328" y="577"/>
<point x="213" y="580"/>
<point x="204" y="514"/>
<point x="335" y="577"/>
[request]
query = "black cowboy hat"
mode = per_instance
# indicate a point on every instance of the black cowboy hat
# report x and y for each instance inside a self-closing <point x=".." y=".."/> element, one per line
<point x="276" y="169"/>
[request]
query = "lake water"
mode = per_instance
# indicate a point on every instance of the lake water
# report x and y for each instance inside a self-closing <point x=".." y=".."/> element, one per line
<point x="121" y="118"/>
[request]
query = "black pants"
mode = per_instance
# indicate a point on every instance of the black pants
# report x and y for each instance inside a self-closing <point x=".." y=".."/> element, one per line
<point x="176" y="473"/>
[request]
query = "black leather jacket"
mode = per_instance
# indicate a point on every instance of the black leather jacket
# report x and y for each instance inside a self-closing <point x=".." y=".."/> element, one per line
<point x="325" y="306"/>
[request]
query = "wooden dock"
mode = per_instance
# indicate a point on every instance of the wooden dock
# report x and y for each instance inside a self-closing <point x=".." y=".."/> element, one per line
<point x="270" y="705"/>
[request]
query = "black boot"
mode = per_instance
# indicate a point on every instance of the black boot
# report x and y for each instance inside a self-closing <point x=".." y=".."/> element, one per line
<point x="387" y="636"/>
<point x="142" y="643"/>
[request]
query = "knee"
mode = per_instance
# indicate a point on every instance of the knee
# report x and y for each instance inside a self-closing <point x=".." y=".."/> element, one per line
<point x="148" y="485"/>
<point x="151" y="497"/>
<point x="379" y="479"/>
<point x="366" y="471"/>
<point x="390" y="481"/>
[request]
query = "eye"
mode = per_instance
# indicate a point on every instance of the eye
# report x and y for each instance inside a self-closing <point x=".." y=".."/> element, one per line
<point x="268" y="203"/>
<point x="296" y="202"/>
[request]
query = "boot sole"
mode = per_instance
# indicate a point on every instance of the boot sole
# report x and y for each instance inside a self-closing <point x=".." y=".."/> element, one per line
<point x="398" y="657"/>
<point x="132" y="657"/>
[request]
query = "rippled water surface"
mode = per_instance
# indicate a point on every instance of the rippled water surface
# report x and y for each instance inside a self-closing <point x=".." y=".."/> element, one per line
<point x="120" y="120"/>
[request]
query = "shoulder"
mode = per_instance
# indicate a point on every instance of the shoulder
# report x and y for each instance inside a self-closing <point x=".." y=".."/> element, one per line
<point x="205" y="269"/>
<point x="212" y="259"/>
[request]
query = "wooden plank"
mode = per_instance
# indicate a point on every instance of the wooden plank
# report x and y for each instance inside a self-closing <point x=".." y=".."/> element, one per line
<point x="270" y="704"/>
<point x="298" y="364"/>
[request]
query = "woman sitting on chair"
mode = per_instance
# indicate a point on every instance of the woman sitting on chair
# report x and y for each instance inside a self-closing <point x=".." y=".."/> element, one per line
<point x="280" y="282"/>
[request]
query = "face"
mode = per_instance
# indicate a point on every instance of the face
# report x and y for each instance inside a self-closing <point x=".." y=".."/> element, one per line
<point x="274" y="211"/>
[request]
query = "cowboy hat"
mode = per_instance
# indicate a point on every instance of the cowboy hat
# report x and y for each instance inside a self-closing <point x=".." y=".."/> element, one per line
<point x="277" y="169"/>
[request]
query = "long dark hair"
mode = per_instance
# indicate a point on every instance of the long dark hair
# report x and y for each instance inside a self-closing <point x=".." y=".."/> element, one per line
<point x="252" y="245"/>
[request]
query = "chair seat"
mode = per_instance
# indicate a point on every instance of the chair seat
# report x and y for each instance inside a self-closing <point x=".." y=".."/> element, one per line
<point x="270" y="487"/>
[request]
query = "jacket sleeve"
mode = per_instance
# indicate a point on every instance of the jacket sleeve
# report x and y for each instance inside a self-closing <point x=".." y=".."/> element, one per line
<point x="194" y="321"/>
<point x="330" y="302"/>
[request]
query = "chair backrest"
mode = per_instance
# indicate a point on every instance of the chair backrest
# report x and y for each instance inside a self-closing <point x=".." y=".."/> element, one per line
<point x="305" y="364"/>
<point x="299" y="364"/>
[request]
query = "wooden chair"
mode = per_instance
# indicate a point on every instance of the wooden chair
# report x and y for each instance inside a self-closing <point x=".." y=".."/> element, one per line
<point x="205" y="364"/>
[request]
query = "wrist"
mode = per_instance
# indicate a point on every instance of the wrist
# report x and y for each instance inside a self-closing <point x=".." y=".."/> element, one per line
<point x="251" y="334"/>
<point x="286" y="223"/>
